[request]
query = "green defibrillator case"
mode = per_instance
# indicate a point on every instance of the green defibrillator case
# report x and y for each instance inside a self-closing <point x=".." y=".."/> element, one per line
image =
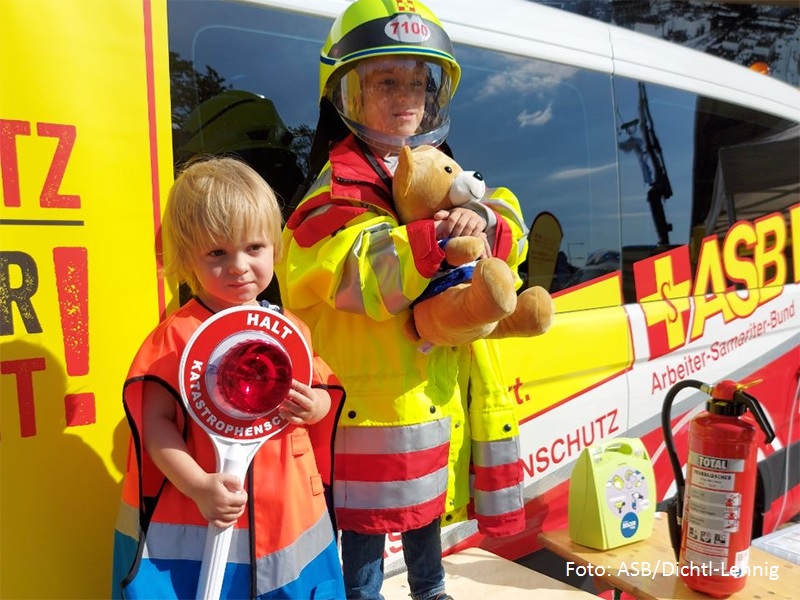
<point x="612" y="495"/>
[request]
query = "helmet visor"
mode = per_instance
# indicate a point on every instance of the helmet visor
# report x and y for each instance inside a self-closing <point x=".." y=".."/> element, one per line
<point x="395" y="102"/>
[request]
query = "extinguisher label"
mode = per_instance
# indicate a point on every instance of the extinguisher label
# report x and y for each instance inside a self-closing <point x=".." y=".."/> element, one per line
<point x="707" y="536"/>
<point x="716" y="517"/>
<point x="712" y="480"/>
<point x="712" y="511"/>
<point x="733" y="465"/>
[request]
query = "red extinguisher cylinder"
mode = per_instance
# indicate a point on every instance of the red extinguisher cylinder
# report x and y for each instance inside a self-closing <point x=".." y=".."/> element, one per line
<point x="711" y="515"/>
<point x="719" y="503"/>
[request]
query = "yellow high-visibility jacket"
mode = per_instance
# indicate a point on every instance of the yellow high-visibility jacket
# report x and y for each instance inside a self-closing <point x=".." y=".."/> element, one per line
<point x="350" y="271"/>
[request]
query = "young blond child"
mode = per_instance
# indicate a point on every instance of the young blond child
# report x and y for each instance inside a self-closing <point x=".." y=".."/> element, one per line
<point x="223" y="228"/>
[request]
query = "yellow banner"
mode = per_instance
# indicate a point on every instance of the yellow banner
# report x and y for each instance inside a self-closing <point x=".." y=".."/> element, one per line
<point x="85" y="151"/>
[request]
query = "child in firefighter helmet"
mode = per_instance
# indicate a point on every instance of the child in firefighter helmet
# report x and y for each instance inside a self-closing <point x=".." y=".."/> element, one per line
<point x="388" y="68"/>
<point x="387" y="73"/>
<point x="351" y="272"/>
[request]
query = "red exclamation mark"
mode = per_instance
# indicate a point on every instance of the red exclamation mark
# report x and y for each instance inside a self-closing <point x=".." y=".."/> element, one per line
<point x="72" y="276"/>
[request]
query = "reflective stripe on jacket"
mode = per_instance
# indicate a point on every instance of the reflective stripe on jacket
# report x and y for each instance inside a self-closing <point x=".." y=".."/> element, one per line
<point x="496" y="481"/>
<point x="283" y="546"/>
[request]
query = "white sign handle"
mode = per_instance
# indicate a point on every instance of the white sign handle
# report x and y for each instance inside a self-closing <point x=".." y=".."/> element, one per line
<point x="233" y="457"/>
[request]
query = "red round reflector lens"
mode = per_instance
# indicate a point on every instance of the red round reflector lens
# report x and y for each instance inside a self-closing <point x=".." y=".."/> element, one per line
<point x="254" y="377"/>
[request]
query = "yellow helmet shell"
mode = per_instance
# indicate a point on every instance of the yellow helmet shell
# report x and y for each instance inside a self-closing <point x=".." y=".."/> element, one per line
<point x="370" y="28"/>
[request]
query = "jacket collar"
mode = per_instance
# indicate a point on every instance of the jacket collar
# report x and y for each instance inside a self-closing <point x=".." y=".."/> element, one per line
<point x="353" y="177"/>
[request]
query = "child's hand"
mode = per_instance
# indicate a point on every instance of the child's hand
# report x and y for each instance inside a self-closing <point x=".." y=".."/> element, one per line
<point x="220" y="498"/>
<point x="305" y="405"/>
<point x="458" y="222"/>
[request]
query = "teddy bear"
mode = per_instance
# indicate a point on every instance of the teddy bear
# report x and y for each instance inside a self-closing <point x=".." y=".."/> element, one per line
<point x="471" y="297"/>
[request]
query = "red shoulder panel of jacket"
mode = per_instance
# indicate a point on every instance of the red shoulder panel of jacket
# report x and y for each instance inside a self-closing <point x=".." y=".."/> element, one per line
<point x="503" y="239"/>
<point x="355" y="187"/>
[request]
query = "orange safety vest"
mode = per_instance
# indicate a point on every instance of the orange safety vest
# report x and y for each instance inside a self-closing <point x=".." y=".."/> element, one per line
<point x="283" y="546"/>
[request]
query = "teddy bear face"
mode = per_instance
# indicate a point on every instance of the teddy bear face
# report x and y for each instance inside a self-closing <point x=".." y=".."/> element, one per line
<point x="427" y="180"/>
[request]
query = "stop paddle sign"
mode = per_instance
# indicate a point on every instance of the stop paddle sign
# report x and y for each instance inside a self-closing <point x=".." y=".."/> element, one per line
<point x="235" y="372"/>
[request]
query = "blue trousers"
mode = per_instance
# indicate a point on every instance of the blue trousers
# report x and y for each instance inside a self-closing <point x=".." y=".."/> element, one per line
<point x="362" y="563"/>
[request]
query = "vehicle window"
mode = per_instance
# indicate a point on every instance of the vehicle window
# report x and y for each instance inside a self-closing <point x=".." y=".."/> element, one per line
<point x="244" y="80"/>
<point x="606" y="173"/>
<point x="691" y="167"/>
<point x="546" y="131"/>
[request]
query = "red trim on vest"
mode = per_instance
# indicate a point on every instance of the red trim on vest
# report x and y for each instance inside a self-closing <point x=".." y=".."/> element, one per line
<point x="353" y="184"/>
<point x="318" y="227"/>
<point x="300" y="213"/>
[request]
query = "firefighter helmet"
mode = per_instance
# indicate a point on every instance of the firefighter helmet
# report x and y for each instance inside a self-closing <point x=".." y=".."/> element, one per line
<point x="378" y="49"/>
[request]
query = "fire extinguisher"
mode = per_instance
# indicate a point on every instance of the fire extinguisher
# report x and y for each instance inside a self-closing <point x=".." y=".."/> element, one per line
<point x="711" y="516"/>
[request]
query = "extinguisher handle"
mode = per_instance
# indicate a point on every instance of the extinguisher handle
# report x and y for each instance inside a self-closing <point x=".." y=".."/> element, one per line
<point x="760" y="416"/>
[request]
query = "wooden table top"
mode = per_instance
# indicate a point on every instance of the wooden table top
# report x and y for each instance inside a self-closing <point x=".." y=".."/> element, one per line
<point x="475" y="574"/>
<point x="771" y="577"/>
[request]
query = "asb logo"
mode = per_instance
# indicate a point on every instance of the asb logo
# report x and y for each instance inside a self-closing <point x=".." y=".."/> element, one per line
<point x="663" y="287"/>
<point x="730" y="277"/>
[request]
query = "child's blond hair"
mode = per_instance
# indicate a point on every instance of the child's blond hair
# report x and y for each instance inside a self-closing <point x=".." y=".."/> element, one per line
<point x="212" y="200"/>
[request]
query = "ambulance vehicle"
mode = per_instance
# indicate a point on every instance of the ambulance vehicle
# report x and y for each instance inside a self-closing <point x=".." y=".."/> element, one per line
<point x="660" y="186"/>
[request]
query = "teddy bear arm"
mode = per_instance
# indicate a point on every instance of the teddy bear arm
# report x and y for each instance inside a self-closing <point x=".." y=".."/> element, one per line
<point x="462" y="250"/>
<point x="466" y="312"/>
<point x="533" y="315"/>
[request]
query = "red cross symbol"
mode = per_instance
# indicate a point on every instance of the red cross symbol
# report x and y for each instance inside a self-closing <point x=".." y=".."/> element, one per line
<point x="406" y="6"/>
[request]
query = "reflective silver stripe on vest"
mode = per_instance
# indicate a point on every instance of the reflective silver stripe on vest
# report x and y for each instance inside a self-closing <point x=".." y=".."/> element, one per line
<point x="384" y="263"/>
<point x="498" y="502"/>
<point x="128" y="520"/>
<point x="324" y="180"/>
<point x="275" y="570"/>
<point x="320" y="210"/>
<point x="186" y="542"/>
<point x="392" y="440"/>
<point x="348" y="295"/>
<point x="284" y="566"/>
<point x="394" y="494"/>
<point x="493" y="454"/>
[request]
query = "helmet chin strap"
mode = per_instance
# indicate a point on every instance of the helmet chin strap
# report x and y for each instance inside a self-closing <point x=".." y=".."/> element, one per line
<point x="378" y="168"/>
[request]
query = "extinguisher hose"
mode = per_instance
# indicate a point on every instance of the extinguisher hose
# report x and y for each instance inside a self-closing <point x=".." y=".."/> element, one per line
<point x="674" y="505"/>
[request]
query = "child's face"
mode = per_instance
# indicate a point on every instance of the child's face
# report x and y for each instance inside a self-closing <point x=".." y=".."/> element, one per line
<point x="394" y="95"/>
<point x="234" y="272"/>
